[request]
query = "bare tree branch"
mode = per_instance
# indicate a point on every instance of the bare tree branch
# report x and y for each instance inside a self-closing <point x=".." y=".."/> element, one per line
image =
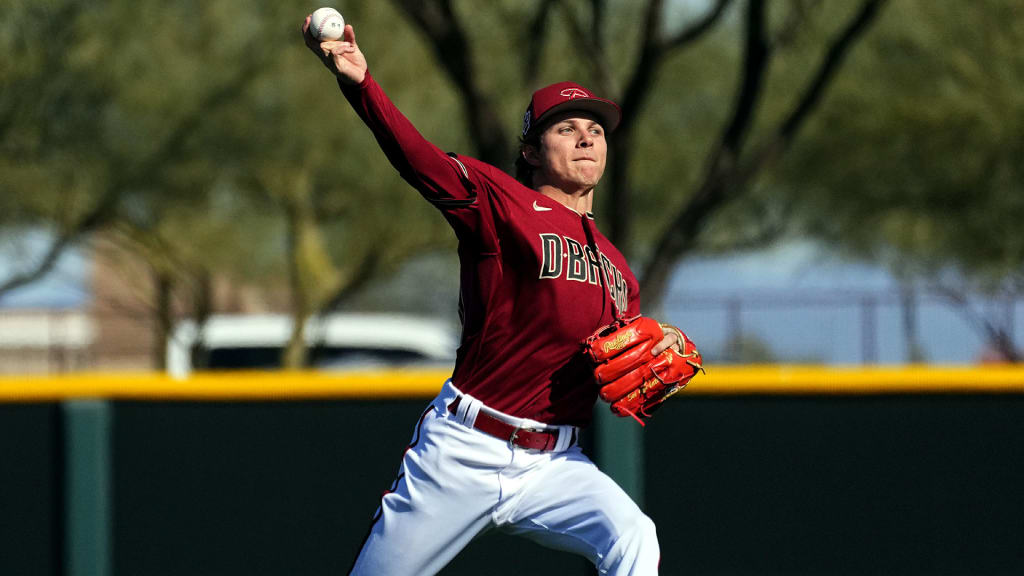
<point x="603" y="72"/>
<point x="722" y="173"/>
<point x="656" y="47"/>
<point x="999" y="338"/>
<point x="834" y="57"/>
<point x="591" y="39"/>
<point x="439" y="22"/>
<point x="48" y="261"/>
<point x="727" y="176"/>
<point x="535" y="33"/>
<point x="755" y="67"/>
<point x="697" y="29"/>
<point x="652" y="52"/>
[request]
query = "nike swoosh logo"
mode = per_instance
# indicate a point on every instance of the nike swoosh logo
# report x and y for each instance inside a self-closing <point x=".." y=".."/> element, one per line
<point x="539" y="208"/>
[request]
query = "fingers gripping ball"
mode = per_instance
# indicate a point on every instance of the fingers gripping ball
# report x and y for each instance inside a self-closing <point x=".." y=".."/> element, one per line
<point x="633" y="381"/>
<point x="326" y="24"/>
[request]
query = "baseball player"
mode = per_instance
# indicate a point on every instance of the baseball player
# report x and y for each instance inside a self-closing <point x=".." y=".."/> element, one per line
<point x="497" y="448"/>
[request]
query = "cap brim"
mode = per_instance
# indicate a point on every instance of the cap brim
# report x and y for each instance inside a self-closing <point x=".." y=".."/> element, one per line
<point x="606" y="111"/>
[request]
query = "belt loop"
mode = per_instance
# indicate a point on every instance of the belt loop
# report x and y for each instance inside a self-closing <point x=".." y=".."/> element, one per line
<point x="468" y="410"/>
<point x="564" y="438"/>
<point x="460" y="408"/>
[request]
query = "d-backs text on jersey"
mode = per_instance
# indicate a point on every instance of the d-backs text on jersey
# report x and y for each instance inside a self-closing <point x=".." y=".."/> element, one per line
<point x="564" y="257"/>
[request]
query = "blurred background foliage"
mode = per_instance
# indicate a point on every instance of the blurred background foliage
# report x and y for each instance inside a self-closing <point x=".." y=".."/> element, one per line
<point x="203" y="138"/>
<point x="917" y="162"/>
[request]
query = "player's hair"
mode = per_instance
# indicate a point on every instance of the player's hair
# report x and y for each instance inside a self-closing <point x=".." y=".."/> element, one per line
<point x="525" y="170"/>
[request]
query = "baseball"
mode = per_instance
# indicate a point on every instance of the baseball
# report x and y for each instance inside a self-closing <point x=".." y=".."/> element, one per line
<point x="326" y="24"/>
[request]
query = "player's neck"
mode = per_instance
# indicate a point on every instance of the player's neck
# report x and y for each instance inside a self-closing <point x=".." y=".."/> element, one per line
<point x="581" y="201"/>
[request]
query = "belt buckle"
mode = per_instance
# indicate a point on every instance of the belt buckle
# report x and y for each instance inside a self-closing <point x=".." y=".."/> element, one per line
<point x="520" y="428"/>
<point x="515" y="434"/>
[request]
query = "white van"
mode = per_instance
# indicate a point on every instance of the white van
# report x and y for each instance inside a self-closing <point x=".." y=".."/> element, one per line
<point x="334" y="341"/>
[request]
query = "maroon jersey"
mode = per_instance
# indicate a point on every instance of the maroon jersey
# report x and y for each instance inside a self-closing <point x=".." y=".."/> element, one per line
<point x="531" y="286"/>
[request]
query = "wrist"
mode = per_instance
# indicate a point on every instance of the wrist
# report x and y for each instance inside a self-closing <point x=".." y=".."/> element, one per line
<point x="352" y="81"/>
<point x="348" y="84"/>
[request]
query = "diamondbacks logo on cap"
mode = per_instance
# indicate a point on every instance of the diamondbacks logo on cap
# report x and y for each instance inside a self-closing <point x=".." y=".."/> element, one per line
<point x="572" y="93"/>
<point x="526" y="122"/>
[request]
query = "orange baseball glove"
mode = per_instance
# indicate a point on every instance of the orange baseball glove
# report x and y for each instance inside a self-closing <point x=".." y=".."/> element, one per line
<point x="633" y="381"/>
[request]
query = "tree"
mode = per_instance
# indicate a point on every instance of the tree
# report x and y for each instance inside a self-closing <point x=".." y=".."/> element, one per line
<point x="120" y="126"/>
<point x="733" y="162"/>
<point x="312" y="160"/>
<point x="48" y="102"/>
<point x="166" y="162"/>
<point x="916" y="161"/>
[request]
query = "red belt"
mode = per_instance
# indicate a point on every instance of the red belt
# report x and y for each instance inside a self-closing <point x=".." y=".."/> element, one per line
<point x="522" y="437"/>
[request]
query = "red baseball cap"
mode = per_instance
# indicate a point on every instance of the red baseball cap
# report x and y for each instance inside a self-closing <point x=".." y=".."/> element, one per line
<point x="568" y="96"/>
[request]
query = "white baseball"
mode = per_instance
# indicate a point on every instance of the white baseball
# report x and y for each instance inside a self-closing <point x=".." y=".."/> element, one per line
<point x="326" y="24"/>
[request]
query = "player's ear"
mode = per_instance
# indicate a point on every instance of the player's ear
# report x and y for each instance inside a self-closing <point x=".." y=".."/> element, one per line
<point x="531" y="154"/>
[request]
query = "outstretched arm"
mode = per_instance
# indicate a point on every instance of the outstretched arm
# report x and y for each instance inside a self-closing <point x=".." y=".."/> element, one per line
<point x="440" y="178"/>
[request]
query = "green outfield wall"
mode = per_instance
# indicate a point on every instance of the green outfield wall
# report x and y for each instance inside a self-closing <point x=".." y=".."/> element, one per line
<point x="761" y="470"/>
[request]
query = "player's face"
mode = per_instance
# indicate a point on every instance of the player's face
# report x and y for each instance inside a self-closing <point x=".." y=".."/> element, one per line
<point x="572" y="152"/>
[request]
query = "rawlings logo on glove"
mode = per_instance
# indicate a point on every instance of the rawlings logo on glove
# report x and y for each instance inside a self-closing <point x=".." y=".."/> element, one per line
<point x="633" y="381"/>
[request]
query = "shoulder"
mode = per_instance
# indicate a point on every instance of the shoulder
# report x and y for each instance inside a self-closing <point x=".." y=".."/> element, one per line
<point x="492" y="179"/>
<point x="486" y="170"/>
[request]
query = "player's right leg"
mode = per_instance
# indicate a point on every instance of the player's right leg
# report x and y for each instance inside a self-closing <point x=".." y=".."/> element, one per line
<point x="568" y="504"/>
<point x="442" y="498"/>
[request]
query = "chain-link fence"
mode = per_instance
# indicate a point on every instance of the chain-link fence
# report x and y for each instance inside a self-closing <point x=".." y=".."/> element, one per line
<point x="846" y="327"/>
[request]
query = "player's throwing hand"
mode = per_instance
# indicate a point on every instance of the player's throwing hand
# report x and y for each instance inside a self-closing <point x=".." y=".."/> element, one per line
<point x="342" y="57"/>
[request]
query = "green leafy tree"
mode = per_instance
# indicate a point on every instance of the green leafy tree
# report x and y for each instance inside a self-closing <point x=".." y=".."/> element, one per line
<point x="211" y="143"/>
<point x="196" y="139"/>
<point x="348" y="219"/>
<point x="915" y="161"/>
<point x="630" y="64"/>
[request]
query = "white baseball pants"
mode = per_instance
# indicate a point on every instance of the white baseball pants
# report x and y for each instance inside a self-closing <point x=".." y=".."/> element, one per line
<point x="456" y="482"/>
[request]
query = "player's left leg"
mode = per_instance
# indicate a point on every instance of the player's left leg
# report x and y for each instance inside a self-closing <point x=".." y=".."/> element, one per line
<point x="566" y="502"/>
<point x="442" y="498"/>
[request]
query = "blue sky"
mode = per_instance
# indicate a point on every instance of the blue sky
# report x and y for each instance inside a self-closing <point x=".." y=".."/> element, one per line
<point x="65" y="287"/>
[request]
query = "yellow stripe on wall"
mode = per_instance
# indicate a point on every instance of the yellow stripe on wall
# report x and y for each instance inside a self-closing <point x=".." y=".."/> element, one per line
<point x="859" y="380"/>
<point x="227" y="386"/>
<point x="382" y="384"/>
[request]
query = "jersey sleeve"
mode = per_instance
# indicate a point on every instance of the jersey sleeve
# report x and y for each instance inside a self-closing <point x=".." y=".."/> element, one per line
<point x="441" y="178"/>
